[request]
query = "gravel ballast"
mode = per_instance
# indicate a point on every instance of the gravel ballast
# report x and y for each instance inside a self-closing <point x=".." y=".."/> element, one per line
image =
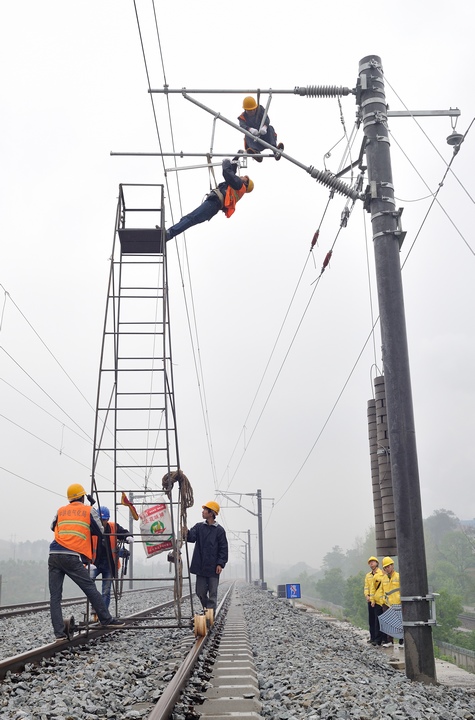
<point x="308" y="667"/>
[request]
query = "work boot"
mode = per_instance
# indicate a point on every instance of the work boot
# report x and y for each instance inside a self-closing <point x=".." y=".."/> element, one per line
<point x="114" y="622"/>
<point x="255" y="153"/>
<point x="280" y="146"/>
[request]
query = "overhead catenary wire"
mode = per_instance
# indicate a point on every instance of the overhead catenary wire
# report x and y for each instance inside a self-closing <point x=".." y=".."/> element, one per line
<point x="30" y="482"/>
<point x="434" y="195"/>
<point x="343" y="223"/>
<point x="371" y="334"/>
<point x="428" y="138"/>
<point x="83" y="434"/>
<point x="194" y="343"/>
<point x="434" y="200"/>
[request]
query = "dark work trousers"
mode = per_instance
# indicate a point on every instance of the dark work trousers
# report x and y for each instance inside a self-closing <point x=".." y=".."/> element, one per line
<point x="106" y="573"/>
<point x="59" y="565"/>
<point x="379" y="636"/>
<point x="208" y="209"/>
<point x="207" y="590"/>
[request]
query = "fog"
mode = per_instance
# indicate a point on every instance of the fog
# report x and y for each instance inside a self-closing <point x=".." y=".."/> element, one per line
<point x="287" y="366"/>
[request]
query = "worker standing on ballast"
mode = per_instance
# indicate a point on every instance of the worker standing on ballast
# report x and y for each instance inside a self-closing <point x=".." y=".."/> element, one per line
<point x="251" y="119"/>
<point x="105" y="552"/>
<point x="224" y="197"/>
<point x="74" y="525"/>
<point x="372" y="583"/>
<point x="391" y="587"/>
<point x="210" y="554"/>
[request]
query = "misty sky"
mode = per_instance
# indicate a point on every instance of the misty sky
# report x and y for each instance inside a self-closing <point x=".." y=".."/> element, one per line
<point x="74" y="90"/>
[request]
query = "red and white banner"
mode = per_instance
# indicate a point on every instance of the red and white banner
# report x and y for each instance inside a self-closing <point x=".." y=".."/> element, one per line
<point x="156" y="529"/>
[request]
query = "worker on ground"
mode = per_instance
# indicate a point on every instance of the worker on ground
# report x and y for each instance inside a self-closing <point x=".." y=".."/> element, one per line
<point x="252" y="119"/>
<point x="224" y="197"/>
<point x="374" y="599"/>
<point x="391" y="588"/>
<point x="105" y="552"/>
<point x="210" y="554"/>
<point x="74" y="525"/>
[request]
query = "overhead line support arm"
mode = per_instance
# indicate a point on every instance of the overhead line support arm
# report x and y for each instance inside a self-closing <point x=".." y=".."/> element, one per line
<point x="309" y="91"/>
<point x="324" y="177"/>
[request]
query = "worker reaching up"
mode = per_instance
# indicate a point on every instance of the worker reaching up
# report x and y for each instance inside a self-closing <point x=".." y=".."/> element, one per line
<point x="224" y="197"/>
<point x="252" y="119"/>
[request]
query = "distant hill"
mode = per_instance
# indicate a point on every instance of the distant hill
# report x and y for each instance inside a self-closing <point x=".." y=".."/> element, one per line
<point x="36" y="550"/>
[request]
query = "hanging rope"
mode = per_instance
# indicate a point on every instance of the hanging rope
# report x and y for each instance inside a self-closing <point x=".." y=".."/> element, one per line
<point x="186" y="501"/>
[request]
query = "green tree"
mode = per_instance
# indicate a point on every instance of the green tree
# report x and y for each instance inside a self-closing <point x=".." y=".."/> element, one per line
<point x="453" y="571"/>
<point x="334" y="559"/>
<point x="332" y="586"/>
<point x="448" y="609"/>
<point x="356" y="607"/>
<point x="436" y="527"/>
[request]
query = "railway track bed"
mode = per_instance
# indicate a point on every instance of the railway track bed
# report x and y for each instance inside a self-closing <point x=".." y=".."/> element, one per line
<point x="267" y="659"/>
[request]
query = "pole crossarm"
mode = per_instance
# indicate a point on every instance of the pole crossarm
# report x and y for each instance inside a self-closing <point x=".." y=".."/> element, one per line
<point x="238" y="503"/>
<point x="324" y="177"/>
<point x="452" y="112"/>
<point x="308" y="91"/>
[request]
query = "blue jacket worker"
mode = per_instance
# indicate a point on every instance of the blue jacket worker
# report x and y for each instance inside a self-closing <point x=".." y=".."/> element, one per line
<point x="210" y="554"/>
<point x="74" y="525"/>
<point x="105" y="552"/>
<point x="224" y="197"/>
<point x="251" y="120"/>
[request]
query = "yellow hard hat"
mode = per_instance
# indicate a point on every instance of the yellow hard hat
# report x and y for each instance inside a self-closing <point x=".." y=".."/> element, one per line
<point x="249" y="103"/>
<point x="373" y="558"/>
<point x="212" y="505"/>
<point x="387" y="561"/>
<point x="250" y="184"/>
<point x="75" y="491"/>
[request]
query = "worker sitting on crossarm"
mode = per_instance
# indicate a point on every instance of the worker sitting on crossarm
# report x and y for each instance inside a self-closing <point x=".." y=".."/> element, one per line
<point x="252" y="120"/>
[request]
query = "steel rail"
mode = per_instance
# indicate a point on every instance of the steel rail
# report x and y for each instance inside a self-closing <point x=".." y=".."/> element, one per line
<point x="171" y="693"/>
<point x="33" y="607"/>
<point x="17" y="663"/>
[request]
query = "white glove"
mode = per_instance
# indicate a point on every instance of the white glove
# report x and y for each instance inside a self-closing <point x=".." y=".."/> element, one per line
<point x="254" y="131"/>
<point x="129" y="539"/>
<point x="263" y="130"/>
<point x="92" y="569"/>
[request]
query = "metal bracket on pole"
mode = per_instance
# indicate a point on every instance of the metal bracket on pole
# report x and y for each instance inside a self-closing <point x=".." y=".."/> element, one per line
<point x="417" y="598"/>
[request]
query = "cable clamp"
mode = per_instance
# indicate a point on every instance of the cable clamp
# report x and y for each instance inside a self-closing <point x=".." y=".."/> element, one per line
<point x="430" y="597"/>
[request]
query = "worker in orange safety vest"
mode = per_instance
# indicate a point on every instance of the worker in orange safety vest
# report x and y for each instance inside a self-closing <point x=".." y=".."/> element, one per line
<point x="223" y="197"/>
<point x="73" y="526"/>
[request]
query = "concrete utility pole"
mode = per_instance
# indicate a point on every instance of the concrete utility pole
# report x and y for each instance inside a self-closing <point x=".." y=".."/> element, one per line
<point x="385" y="219"/>
<point x="258" y="494"/>
<point x="260" y="535"/>
<point x="248" y="554"/>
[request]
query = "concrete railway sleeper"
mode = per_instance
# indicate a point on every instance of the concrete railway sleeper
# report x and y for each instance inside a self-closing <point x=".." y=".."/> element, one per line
<point x="218" y="678"/>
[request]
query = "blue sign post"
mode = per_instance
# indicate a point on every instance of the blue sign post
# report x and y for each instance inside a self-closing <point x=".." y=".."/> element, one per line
<point x="293" y="591"/>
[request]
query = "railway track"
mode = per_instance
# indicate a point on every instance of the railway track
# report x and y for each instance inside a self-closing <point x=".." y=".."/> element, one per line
<point x="217" y="655"/>
<point x="152" y="673"/>
<point x="16" y="609"/>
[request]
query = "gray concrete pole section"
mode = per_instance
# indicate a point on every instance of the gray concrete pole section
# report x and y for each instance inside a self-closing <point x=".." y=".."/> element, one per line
<point x="420" y="663"/>
<point x="259" y="529"/>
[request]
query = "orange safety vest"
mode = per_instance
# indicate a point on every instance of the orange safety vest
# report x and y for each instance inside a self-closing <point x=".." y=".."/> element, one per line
<point x="73" y="528"/>
<point x="112" y="541"/>
<point x="231" y="198"/>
